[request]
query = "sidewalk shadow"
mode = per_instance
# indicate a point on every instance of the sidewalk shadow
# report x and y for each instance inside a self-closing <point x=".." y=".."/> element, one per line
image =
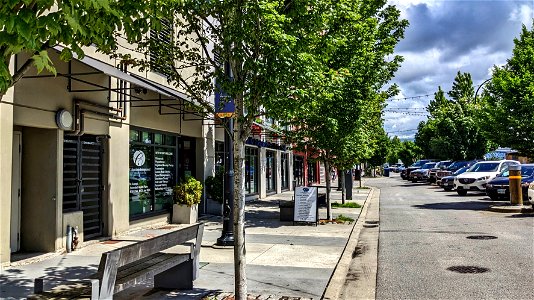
<point x="469" y="205"/>
<point x="12" y="286"/>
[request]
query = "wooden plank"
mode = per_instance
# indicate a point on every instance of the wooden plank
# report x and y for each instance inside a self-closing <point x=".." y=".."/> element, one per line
<point x="148" y="247"/>
<point x="147" y="270"/>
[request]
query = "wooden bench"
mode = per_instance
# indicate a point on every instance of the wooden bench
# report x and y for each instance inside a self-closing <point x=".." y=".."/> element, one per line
<point x="125" y="267"/>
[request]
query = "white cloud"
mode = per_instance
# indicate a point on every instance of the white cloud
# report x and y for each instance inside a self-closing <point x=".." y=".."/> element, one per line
<point x="523" y="14"/>
<point x="448" y="36"/>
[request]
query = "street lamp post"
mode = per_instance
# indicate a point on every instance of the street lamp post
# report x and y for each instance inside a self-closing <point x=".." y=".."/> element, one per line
<point x="227" y="235"/>
<point x="476" y="93"/>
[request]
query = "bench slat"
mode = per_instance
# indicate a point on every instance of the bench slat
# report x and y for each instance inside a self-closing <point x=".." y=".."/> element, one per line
<point x="147" y="268"/>
<point x="148" y="247"/>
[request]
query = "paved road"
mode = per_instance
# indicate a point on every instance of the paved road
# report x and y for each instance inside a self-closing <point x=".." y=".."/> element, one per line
<point x="423" y="232"/>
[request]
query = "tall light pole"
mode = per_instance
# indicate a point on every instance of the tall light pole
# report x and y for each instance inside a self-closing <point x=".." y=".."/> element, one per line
<point x="476" y="93"/>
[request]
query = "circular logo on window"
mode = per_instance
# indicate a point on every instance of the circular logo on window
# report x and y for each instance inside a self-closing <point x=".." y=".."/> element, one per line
<point x="139" y="158"/>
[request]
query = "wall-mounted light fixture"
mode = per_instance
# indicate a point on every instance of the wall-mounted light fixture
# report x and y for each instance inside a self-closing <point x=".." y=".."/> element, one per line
<point x="64" y="119"/>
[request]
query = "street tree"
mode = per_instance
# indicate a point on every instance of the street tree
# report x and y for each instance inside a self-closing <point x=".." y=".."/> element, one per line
<point x="451" y="131"/>
<point x="35" y="27"/>
<point x="506" y="114"/>
<point x="259" y="54"/>
<point x="394" y="147"/>
<point x="339" y="118"/>
<point x="409" y="152"/>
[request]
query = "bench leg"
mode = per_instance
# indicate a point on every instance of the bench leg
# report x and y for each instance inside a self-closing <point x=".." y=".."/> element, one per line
<point x="179" y="277"/>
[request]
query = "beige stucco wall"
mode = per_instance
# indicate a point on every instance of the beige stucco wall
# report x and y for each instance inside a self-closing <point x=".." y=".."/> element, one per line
<point x="41" y="193"/>
<point x="6" y="141"/>
<point x="118" y="180"/>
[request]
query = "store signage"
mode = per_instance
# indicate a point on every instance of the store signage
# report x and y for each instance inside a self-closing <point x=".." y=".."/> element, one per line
<point x="305" y="204"/>
<point x="224" y="104"/>
<point x="139" y="158"/>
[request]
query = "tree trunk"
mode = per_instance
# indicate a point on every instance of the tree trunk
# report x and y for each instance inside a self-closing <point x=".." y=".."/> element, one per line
<point x="328" y="171"/>
<point x="239" y="217"/>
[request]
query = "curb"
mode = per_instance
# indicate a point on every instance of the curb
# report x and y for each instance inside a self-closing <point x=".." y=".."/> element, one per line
<point x="512" y="209"/>
<point x="336" y="283"/>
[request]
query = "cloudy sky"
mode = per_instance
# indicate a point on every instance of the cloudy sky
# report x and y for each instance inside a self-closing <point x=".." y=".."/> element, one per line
<point x="444" y="37"/>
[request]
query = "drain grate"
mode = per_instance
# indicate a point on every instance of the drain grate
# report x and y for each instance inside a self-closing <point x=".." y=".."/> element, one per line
<point x="468" y="269"/>
<point x="372" y="222"/>
<point x="481" y="237"/>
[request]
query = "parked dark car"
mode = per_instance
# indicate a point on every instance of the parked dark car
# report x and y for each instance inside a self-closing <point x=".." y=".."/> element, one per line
<point x="499" y="187"/>
<point x="447" y="182"/>
<point x="422" y="174"/>
<point x="442" y="165"/>
<point x="453" y="167"/>
<point x="405" y="174"/>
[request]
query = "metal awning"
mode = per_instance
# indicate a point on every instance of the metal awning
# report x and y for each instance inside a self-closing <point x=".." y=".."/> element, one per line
<point x="131" y="78"/>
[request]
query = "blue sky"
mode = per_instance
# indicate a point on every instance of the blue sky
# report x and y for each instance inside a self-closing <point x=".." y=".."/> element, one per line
<point x="444" y="37"/>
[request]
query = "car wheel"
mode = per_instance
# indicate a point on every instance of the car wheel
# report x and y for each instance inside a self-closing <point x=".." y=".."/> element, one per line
<point x="462" y="192"/>
<point x="447" y="188"/>
<point x="414" y="180"/>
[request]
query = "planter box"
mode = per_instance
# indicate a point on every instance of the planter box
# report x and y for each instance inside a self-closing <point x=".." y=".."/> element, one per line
<point x="183" y="214"/>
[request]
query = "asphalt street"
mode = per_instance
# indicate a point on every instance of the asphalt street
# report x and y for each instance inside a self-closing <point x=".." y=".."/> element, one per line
<point x="428" y="235"/>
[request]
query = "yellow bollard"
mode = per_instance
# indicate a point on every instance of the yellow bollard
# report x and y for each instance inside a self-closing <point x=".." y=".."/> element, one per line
<point x="516" y="194"/>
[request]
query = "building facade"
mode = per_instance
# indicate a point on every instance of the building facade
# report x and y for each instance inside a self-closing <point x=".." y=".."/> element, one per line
<point x="100" y="147"/>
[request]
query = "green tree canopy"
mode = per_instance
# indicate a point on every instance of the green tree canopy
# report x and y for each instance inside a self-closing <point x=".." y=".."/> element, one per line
<point x="506" y="116"/>
<point x="451" y="131"/>
<point x="34" y="27"/>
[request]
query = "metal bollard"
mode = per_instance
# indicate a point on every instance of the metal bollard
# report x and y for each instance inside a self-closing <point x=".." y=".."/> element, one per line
<point x="516" y="194"/>
<point x="69" y="239"/>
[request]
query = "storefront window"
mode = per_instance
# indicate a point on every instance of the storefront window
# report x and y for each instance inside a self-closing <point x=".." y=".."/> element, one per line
<point x="219" y="156"/>
<point x="251" y="170"/>
<point x="298" y="170"/>
<point x="312" y="172"/>
<point x="270" y="171"/>
<point x="187" y="157"/>
<point x="152" y="172"/>
<point x="285" y="170"/>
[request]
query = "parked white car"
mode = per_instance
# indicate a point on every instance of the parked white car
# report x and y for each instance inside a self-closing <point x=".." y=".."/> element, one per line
<point x="531" y="194"/>
<point x="477" y="176"/>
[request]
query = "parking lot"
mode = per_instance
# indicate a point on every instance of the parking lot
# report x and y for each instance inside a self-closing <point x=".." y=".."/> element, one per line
<point x="436" y="244"/>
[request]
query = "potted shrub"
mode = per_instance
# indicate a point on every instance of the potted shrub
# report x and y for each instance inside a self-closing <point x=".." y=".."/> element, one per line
<point x="187" y="195"/>
<point x="215" y="191"/>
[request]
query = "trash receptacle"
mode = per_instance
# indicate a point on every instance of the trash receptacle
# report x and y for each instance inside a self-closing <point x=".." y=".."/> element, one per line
<point x="386" y="172"/>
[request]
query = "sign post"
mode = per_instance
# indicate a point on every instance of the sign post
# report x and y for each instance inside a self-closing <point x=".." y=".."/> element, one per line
<point x="306" y="205"/>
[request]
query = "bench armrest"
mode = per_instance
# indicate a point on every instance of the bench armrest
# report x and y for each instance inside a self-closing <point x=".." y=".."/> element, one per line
<point x="94" y="283"/>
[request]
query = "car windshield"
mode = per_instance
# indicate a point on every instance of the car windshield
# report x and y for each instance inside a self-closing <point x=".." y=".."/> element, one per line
<point x="417" y="163"/>
<point x="456" y="165"/>
<point x="461" y="170"/>
<point x="428" y="166"/>
<point x="527" y="171"/>
<point x="484" y="167"/>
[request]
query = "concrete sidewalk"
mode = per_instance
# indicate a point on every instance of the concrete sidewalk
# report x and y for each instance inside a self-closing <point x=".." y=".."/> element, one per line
<point x="283" y="260"/>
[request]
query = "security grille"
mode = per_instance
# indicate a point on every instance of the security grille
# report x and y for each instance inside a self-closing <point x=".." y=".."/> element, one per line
<point x="82" y="181"/>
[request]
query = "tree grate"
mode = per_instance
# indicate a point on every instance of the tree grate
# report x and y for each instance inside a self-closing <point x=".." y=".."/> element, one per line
<point x="481" y="237"/>
<point x="467" y="269"/>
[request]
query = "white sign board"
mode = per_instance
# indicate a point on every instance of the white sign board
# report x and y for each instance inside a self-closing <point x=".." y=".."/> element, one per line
<point x="305" y="204"/>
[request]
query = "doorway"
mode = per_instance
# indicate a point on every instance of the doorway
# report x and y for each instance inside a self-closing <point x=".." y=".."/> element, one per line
<point x="82" y="181"/>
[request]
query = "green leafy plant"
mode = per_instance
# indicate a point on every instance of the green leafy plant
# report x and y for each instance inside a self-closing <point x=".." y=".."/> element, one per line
<point x="215" y="186"/>
<point x="348" y="204"/>
<point x="188" y="192"/>
<point x="342" y="218"/>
